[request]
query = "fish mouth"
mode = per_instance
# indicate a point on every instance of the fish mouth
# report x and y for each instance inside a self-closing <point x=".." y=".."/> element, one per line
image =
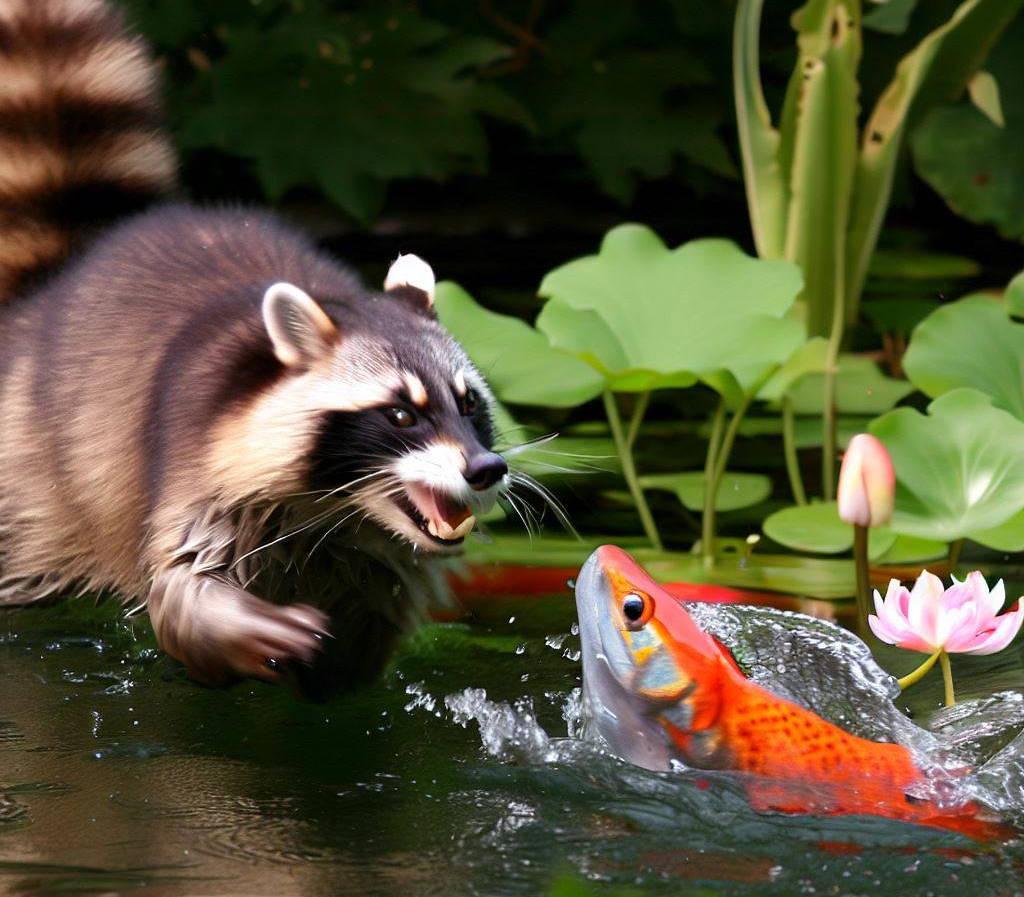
<point x="441" y="517"/>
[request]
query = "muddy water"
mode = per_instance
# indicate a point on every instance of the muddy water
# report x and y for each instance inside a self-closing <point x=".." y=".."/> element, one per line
<point x="119" y="776"/>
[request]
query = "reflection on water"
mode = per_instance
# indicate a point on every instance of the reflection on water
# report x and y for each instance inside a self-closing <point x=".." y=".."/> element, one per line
<point x="452" y="777"/>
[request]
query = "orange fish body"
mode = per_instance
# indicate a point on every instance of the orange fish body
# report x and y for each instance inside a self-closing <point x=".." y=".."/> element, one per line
<point x="648" y="668"/>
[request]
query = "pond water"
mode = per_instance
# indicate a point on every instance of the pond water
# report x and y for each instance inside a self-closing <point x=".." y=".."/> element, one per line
<point x="119" y="776"/>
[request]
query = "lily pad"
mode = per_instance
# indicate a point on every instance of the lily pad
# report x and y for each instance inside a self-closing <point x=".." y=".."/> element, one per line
<point x="912" y="550"/>
<point x="959" y="469"/>
<point x="817" y="528"/>
<point x="645" y="316"/>
<point x="861" y="388"/>
<point x="972" y="343"/>
<point x="1015" y="296"/>
<point x="519" y="363"/>
<point x="1008" y="536"/>
<point x="736" y="491"/>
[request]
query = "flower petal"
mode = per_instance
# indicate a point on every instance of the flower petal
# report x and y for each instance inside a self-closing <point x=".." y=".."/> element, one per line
<point x="926" y="609"/>
<point x="1006" y="628"/>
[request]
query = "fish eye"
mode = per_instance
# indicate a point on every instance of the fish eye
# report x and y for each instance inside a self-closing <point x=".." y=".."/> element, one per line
<point x="633" y="608"/>
<point x="469" y="402"/>
<point x="400" y="418"/>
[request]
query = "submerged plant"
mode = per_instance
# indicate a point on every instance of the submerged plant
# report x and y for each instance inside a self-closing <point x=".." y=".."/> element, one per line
<point x="867" y="493"/>
<point x="938" y="622"/>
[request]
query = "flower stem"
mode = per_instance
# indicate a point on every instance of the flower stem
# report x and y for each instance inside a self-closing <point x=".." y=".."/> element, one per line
<point x="947" y="678"/>
<point x="860" y="562"/>
<point x="639" y="410"/>
<point x="629" y="471"/>
<point x="707" y="535"/>
<point x="796" y="482"/>
<point x="954" y="553"/>
<point x="918" y="674"/>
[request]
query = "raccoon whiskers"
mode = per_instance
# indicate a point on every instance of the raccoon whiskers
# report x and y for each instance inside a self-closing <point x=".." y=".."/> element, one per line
<point x="525" y="481"/>
<point x="319" y="518"/>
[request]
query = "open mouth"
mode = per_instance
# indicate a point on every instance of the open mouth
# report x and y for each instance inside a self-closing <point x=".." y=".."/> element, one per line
<point x="444" y="519"/>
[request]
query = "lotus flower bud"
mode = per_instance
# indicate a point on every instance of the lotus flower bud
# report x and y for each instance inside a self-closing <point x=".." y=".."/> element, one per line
<point x="867" y="483"/>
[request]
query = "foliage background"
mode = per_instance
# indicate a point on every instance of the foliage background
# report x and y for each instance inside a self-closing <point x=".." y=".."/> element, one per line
<point x="501" y="138"/>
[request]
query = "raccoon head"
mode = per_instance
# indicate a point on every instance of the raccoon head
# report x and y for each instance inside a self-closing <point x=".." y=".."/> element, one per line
<point x="397" y="421"/>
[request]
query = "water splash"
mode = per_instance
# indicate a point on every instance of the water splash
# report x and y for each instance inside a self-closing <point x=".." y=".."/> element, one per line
<point x="820" y="666"/>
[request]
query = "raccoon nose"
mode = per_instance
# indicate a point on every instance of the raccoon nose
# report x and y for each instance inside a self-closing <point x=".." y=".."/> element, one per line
<point x="483" y="471"/>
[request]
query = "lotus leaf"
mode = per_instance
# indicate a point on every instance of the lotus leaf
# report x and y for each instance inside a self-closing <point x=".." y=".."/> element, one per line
<point x="959" y="468"/>
<point x="861" y="388"/>
<point x="817" y="528"/>
<point x="971" y="343"/>
<point x="646" y="316"/>
<point x="736" y="490"/>
<point x="518" y="361"/>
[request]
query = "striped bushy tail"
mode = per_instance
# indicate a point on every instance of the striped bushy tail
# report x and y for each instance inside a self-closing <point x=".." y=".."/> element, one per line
<point x="80" y="137"/>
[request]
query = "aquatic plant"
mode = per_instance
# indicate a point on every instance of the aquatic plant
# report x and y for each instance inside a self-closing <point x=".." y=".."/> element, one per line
<point x="818" y="191"/>
<point x="937" y="621"/>
<point x="867" y="492"/>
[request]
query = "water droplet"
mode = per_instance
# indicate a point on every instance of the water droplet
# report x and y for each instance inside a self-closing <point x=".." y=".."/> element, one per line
<point x="521" y="648"/>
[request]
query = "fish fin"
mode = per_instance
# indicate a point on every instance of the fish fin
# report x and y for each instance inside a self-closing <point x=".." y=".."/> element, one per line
<point x="726" y="654"/>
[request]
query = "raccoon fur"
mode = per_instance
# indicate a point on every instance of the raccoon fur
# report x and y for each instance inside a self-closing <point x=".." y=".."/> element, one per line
<point x="199" y="409"/>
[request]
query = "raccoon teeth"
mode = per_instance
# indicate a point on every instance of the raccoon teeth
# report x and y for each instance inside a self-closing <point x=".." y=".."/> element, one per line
<point x="464" y="528"/>
<point x="442" y="530"/>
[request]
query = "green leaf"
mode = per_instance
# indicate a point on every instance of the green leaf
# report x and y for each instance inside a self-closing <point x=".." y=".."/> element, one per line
<point x="348" y="103"/>
<point x="984" y="92"/>
<point x="766" y="186"/>
<point x="648" y="317"/>
<point x="736" y="491"/>
<point x="631" y="108"/>
<point x="1008" y="536"/>
<point x="823" y="121"/>
<point x="861" y="388"/>
<point x="972" y="343"/>
<point x="890" y="16"/>
<point x="973" y="162"/>
<point x="1015" y="296"/>
<point x="959" y="469"/>
<point x="817" y="528"/>
<point x="518" y="362"/>
<point x="912" y="550"/>
<point x="935" y="71"/>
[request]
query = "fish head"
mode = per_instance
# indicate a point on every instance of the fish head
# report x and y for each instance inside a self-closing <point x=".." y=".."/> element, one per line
<point x="648" y="669"/>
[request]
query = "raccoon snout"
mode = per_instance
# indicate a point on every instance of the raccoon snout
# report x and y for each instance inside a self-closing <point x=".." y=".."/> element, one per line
<point x="484" y="470"/>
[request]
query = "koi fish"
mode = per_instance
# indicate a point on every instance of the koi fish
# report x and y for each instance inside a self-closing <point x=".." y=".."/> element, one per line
<point x="659" y="689"/>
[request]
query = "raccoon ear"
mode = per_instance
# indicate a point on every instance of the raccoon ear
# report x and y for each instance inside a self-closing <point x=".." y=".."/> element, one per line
<point x="299" y="329"/>
<point x="413" y="278"/>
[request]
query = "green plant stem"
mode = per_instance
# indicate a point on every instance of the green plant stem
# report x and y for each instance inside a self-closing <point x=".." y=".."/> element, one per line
<point x="629" y="471"/>
<point x="828" y="417"/>
<point x="917" y="675"/>
<point x="860" y="561"/>
<point x="947" y="678"/>
<point x="707" y="539"/>
<point x="714" y="483"/>
<point x="796" y="482"/>
<point x="639" y="410"/>
<point x="954" y="553"/>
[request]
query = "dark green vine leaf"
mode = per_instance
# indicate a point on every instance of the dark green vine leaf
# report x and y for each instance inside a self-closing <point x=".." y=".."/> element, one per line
<point x="349" y="103"/>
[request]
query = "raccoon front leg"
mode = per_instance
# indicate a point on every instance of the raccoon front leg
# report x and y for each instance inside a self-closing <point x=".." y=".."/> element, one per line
<point x="220" y="631"/>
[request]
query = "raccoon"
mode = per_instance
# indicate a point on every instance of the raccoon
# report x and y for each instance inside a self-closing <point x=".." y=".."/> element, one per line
<point x="199" y="409"/>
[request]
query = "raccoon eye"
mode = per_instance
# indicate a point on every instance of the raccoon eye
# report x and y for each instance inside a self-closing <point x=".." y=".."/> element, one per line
<point x="400" y="418"/>
<point x="469" y="402"/>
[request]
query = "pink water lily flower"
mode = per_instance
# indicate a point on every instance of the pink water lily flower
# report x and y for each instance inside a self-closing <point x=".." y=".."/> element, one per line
<point x="959" y="620"/>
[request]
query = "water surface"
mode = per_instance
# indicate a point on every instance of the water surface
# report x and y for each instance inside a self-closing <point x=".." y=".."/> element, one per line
<point x="453" y="776"/>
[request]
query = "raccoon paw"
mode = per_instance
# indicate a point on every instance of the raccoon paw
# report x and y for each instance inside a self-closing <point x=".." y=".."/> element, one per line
<point x="248" y="637"/>
<point x="275" y="637"/>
